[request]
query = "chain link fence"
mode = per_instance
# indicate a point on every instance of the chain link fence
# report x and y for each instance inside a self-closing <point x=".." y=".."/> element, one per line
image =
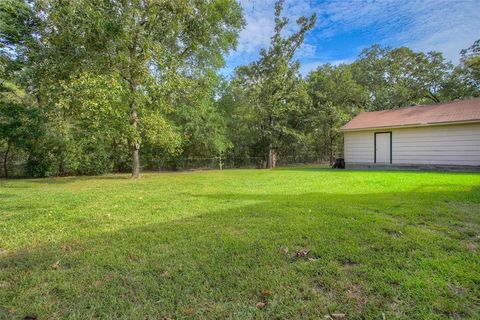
<point x="228" y="162"/>
<point x="17" y="166"/>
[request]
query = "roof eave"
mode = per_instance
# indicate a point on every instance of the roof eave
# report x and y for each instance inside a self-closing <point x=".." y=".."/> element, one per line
<point x="413" y="125"/>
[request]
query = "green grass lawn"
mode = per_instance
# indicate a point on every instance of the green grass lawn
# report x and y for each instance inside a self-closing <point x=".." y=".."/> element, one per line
<point x="207" y="244"/>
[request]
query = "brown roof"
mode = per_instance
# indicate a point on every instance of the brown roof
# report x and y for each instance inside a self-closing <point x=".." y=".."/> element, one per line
<point x="456" y="111"/>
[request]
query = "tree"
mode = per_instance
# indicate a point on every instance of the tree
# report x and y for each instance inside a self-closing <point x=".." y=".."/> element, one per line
<point x="154" y="49"/>
<point x="20" y="123"/>
<point x="240" y="122"/>
<point x="459" y="85"/>
<point x="470" y="59"/>
<point x="464" y="81"/>
<point x="400" y="77"/>
<point x="433" y="73"/>
<point x="274" y="88"/>
<point x="335" y="97"/>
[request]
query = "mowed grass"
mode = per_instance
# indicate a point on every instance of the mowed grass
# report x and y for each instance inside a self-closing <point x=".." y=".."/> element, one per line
<point x="205" y="245"/>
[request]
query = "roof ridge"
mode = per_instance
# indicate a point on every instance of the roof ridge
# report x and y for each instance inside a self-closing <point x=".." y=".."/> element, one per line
<point x="453" y="111"/>
<point x="423" y="105"/>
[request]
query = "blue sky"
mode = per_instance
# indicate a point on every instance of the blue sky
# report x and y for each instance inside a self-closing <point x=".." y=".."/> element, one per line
<point x="344" y="28"/>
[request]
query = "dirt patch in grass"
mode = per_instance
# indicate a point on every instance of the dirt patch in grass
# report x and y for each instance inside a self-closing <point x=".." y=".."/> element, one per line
<point x="357" y="296"/>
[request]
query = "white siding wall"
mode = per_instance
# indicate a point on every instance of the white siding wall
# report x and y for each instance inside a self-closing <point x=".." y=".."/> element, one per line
<point x="448" y="145"/>
<point x="358" y="147"/>
<point x="442" y="145"/>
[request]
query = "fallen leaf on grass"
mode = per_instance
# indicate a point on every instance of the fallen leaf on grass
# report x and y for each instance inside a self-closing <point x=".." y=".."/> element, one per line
<point x="266" y="293"/>
<point x="56" y="265"/>
<point x="284" y="249"/>
<point x="261" y="304"/>
<point x="472" y="246"/>
<point x="335" y="316"/>
<point x="302" y="253"/>
<point x="191" y="311"/>
<point x="165" y="274"/>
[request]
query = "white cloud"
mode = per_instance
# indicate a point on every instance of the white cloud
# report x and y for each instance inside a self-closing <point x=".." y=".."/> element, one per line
<point x="439" y="25"/>
<point x="259" y="16"/>
<point x="256" y="34"/>
<point x="449" y="28"/>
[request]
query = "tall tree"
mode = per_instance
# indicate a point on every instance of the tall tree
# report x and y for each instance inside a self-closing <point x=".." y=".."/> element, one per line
<point x="274" y="87"/>
<point x="156" y="50"/>
<point x="335" y="97"/>
<point x="470" y="60"/>
<point x="400" y="77"/>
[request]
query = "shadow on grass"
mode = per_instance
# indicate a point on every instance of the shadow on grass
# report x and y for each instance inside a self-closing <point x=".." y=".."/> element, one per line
<point x="308" y="168"/>
<point x="73" y="179"/>
<point x="402" y="254"/>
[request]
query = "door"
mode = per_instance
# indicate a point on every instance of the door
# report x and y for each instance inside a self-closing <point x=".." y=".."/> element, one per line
<point x="383" y="149"/>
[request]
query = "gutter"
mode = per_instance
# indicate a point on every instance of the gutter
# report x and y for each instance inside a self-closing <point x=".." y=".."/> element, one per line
<point x="414" y="125"/>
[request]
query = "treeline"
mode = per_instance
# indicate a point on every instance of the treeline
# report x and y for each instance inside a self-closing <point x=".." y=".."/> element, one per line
<point x="270" y="107"/>
<point x="89" y="87"/>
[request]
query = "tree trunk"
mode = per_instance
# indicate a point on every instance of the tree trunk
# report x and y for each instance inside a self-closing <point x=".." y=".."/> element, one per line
<point x="270" y="150"/>
<point x="333" y="148"/>
<point x="270" y="157"/>
<point x="135" y="144"/>
<point x="135" y="160"/>
<point x="5" y="158"/>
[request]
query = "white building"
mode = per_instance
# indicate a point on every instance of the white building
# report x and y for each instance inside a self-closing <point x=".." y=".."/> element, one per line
<point x="440" y="135"/>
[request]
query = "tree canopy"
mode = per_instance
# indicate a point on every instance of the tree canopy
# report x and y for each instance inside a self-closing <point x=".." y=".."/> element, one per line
<point x="127" y="62"/>
<point x="274" y="89"/>
<point x="89" y="87"/>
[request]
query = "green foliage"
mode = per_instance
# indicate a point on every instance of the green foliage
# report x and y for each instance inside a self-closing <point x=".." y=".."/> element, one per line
<point x="117" y="68"/>
<point x="86" y="87"/>
<point x="470" y="60"/>
<point x="400" y="77"/>
<point x="159" y="132"/>
<point x="16" y="25"/>
<point x="274" y="89"/>
<point x="335" y="97"/>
